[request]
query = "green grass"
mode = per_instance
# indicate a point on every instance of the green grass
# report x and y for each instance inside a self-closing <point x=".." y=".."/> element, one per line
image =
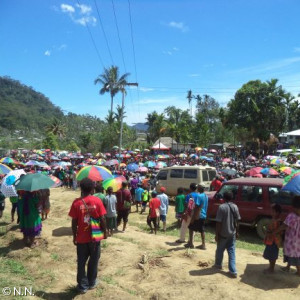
<point x="248" y="239"/>
<point x="99" y="292"/>
<point x="109" y="280"/>
<point x="126" y="239"/>
<point x="120" y="272"/>
<point x="160" y="252"/>
<point x="104" y="244"/>
<point x="55" y="257"/>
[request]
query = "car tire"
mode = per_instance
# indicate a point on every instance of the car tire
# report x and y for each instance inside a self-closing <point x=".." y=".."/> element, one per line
<point x="261" y="227"/>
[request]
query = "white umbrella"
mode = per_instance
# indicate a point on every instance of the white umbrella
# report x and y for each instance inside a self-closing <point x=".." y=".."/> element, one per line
<point x="7" y="187"/>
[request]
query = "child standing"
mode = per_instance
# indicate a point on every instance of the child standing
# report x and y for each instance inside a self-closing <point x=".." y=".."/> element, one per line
<point x="291" y="225"/>
<point x="138" y="196"/>
<point x="153" y="216"/>
<point x="273" y="240"/>
<point x="145" y="199"/>
<point x="109" y="202"/>
<point x="179" y="205"/>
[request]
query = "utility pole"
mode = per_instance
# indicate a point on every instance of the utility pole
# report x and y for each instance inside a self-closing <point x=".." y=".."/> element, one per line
<point x="121" y="129"/>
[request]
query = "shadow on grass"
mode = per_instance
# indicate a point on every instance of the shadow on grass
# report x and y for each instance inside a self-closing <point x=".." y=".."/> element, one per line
<point x="68" y="294"/>
<point x="254" y="276"/>
<point x="14" y="245"/>
<point x="62" y="231"/>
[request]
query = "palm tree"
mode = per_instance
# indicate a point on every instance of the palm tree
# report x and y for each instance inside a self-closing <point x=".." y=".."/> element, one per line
<point x="111" y="82"/>
<point x="190" y="99"/>
<point x="57" y="128"/>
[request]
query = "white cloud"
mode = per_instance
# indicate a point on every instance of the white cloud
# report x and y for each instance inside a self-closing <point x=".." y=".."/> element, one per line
<point x="194" y="75"/>
<point x="178" y="25"/>
<point x="175" y="49"/>
<point x="62" y="47"/>
<point x="84" y="9"/>
<point x="81" y="15"/>
<point x="297" y="49"/>
<point x="269" y="66"/>
<point x="167" y="52"/>
<point x="66" y="8"/>
<point x="47" y="53"/>
<point x="145" y="89"/>
<point x="86" y="20"/>
<point x="151" y="101"/>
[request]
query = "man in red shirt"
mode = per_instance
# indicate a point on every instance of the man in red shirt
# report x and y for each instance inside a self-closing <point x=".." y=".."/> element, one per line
<point x="216" y="184"/>
<point x="153" y="216"/>
<point x="124" y="200"/>
<point x="81" y="210"/>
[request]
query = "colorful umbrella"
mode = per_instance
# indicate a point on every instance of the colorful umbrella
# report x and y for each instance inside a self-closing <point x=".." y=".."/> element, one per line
<point x="278" y="161"/>
<point x="182" y="155"/>
<point x="227" y="160"/>
<point x="160" y="165"/>
<point x="114" y="182"/>
<point x="95" y="173"/>
<point x="292" y="175"/>
<point x="194" y="156"/>
<point x="112" y="162"/>
<point x="254" y="171"/>
<point x="251" y="157"/>
<point x="34" y="182"/>
<point x="32" y="163"/>
<point x="269" y="171"/>
<point x="142" y="170"/>
<point x="57" y="182"/>
<point x="293" y="185"/>
<point x="198" y="149"/>
<point x="150" y="164"/>
<point x="286" y="170"/>
<point x="212" y="150"/>
<point x="4" y="169"/>
<point x="7" y="187"/>
<point x="9" y="160"/>
<point x="100" y="161"/>
<point x="132" y="167"/>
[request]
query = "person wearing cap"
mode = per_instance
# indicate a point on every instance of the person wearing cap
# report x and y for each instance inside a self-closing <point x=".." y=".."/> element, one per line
<point x="164" y="206"/>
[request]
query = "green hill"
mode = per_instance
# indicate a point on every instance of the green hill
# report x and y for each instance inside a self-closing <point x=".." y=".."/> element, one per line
<point x="22" y="108"/>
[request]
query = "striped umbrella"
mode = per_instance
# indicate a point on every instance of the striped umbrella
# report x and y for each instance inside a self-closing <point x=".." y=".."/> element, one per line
<point x="95" y="173"/>
<point x="269" y="171"/>
<point x="9" y="160"/>
<point x="114" y="182"/>
<point x="4" y="169"/>
<point x="56" y="180"/>
<point x="286" y="170"/>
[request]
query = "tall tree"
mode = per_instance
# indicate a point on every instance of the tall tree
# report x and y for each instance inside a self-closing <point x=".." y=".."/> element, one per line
<point x="111" y="82"/>
<point x="190" y="100"/>
<point x="56" y="127"/>
<point x="258" y="107"/>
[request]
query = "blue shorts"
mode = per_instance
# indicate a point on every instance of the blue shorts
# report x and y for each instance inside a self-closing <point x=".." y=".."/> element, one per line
<point x="163" y="218"/>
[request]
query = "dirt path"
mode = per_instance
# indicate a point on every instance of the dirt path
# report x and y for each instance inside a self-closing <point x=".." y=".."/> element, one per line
<point x="171" y="272"/>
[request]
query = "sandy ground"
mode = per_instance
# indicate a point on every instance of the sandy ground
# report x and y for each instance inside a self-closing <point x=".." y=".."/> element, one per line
<point x="172" y="272"/>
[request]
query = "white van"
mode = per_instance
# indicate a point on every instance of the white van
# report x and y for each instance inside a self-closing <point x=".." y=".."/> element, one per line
<point x="182" y="176"/>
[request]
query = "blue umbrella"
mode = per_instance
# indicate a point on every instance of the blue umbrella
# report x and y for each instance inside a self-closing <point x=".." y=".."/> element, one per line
<point x="132" y="167"/>
<point x="293" y="185"/>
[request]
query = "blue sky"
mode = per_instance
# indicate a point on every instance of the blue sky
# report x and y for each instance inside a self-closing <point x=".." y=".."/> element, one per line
<point x="209" y="46"/>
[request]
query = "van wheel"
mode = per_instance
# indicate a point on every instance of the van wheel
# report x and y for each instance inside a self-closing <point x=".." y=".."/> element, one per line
<point x="261" y="227"/>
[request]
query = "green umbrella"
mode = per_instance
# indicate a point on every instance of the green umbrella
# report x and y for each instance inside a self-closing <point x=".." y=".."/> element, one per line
<point x="34" y="182"/>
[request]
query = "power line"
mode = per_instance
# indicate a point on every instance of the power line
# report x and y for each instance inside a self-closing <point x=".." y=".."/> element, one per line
<point x="120" y="44"/>
<point x="90" y="33"/>
<point x="103" y="31"/>
<point x="134" y="56"/>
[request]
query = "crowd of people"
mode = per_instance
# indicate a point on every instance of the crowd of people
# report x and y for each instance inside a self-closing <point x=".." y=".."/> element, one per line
<point x="105" y="210"/>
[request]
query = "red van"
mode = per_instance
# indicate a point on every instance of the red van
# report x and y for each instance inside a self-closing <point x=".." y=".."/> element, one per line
<point x="254" y="198"/>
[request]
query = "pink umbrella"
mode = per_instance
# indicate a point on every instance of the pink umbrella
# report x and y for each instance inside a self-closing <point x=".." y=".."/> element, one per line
<point x="251" y="157"/>
<point x="142" y="169"/>
<point x="212" y="150"/>
<point x="258" y="175"/>
<point x="255" y="171"/>
<point x="226" y="160"/>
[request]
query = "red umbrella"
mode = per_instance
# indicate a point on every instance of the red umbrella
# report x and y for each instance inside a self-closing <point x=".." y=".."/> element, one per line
<point x="254" y="171"/>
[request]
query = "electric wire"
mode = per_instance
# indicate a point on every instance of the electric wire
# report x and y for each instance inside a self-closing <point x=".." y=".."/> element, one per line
<point x="95" y="46"/>
<point x="104" y="34"/>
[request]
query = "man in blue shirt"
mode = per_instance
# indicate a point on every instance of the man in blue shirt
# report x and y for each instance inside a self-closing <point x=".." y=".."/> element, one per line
<point x="164" y="206"/>
<point x="198" y="218"/>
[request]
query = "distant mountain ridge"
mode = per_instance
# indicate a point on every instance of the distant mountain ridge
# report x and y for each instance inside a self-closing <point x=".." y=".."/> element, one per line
<point x="140" y="127"/>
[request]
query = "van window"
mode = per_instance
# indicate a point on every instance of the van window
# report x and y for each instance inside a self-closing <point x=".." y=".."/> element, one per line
<point x="162" y="175"/>
<point x="279" y="197"/>
<point x="251" y="193"/>
<point x="211" y="174"/>
<point x="204" y="175"/>
<point x="188" y="173"/>
<point x="176" y="173"/>
<point x="229" y="188"/>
